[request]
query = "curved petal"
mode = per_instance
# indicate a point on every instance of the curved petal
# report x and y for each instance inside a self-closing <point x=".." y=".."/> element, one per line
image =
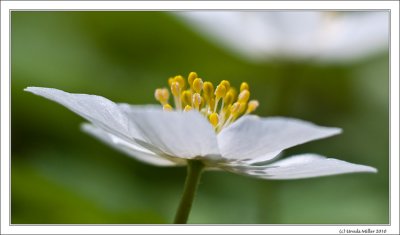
<point x="134" y="107"/>
<point x="181" y="134"/>
<point x="302" y="166"/>
<point x="321" y="35"/>
<point x="131" y="149"/>
<point x="265" y="158"/>
<point x="251" y="136"/>
<point x="96" y="109"/>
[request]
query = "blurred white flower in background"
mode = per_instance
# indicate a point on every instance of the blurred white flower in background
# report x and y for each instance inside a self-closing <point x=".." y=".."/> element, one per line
<point x="325" y="36"/>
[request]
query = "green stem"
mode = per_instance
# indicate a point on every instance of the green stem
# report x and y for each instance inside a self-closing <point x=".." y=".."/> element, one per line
<point x="194" y="169"/>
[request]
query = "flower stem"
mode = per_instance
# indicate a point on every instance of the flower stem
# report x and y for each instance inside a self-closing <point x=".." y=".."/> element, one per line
<point x="194" y="170"/>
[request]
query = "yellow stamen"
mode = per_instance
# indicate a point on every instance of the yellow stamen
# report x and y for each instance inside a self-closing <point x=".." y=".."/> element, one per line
<point x="220" y="92"/>
<point x="197" y="85"/>
<point x="244" y="96"/>
<point x="175" y="88"/>
<point x="187" y="108"/>
<point x="244" y="86"/>
<point x="234" y="113"/>
<point x="235" y="108"/>
<point x="170" y="81"/>
<point x="212" y="104"/>
<point x="191" y="77"/>
<point x="208" y="90"/>
<point x="203" y="98"/>
<point x="167" y="107"/>
<point x="234" y="92"/>
<point x="214" y="119"/>
<point x="187" y="97"/>
<point x="226" y="84"/>
<point x="229" y="97"/>
<point x="242" y="108"/>
<point x="196" y="100"/>
<point x="224" y="115"/>
<point x="181" y="81"/>
<point x="202" y="102"/>
<point x="251" y="106"/>
<point x="162" y="95"/>
<point x="176" y="91"/>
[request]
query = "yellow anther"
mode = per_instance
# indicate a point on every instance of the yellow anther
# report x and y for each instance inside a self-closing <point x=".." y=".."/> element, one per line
<point x="187" y="97"/>
<point x="170" y="81"/>
<point x="167" y="107"/>
<point x="244" y="96"/>
<point x="235" y="108"/>
<point x="212" y="103"/>
<point x="196" y="100"/>
<point x="226" y="84"/>
<point x="244" y="86"/>
<point x="191" y="77"/>
<point x="229" y="97"/>
<point x="175" y="88"/>
<point x="187" y="108"/>
<point x="220" y="92"/>
<point x="162" y="95"/>
<point x="214" y="119"/>
<point x="242" y="108"/>
<point x="202" y="102"/>
<point x="181" y="81"/>
<point x="251" y="106"/>
<point x="197" y="85"/>
<point x="208" y="90"/>
<point x="221" y="105"/>
<point x="227" y="112"/>
<point x="234" y="92"/>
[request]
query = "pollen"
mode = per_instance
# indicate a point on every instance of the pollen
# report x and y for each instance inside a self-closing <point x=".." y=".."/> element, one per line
<point x="251" y="106"/>
<point x="187" y="108"/>
<point x="235" y="108"/>
<point x="244" y="86"/>
<point x="191" y="77"/>
<point x="220" y="106"/>
<point x="167" y="107"/>
<point x="226" y="84"/>
<point x="197" y="85"/>
<point x="208" y="90"/>
<point x="214" y="119"/>
<point x="162" y="95"/>
<point x="244" y="96"/>
<point x="181" y="81"/>
<point x="175" y="88"/>
<point x="196" y="100"/>
<point x="229" y="97"/>
<point x="187" y="97"/>
<point x="220" y="91"/>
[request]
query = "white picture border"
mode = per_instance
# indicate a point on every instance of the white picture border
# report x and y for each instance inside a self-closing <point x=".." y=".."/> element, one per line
<point x="8" y="6"/>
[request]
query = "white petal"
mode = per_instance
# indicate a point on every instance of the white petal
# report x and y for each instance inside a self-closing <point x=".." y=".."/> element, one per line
<point x="182" y="134"/>
<point x="320" y="35"/>
<point x="251" y="137"/>
<point x="129" y="148"/>
<point x="98" y="110"/>
<point x="264" y="158"/>
<point x="302" y="166"/>
<point x="130" y="107"/>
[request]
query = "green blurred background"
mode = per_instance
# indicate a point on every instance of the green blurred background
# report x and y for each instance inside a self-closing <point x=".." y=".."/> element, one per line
<point x="61" y="175"/>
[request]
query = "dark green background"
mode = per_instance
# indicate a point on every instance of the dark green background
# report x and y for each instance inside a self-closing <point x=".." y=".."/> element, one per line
<point x="61" y="175"/>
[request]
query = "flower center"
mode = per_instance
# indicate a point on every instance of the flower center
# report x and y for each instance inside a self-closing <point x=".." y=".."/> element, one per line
<point x="221" y="106"/>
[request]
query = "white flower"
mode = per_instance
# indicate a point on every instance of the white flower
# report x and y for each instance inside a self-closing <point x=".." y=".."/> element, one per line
<point x="324" y="36"/>
<point x="162" y="138"/>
